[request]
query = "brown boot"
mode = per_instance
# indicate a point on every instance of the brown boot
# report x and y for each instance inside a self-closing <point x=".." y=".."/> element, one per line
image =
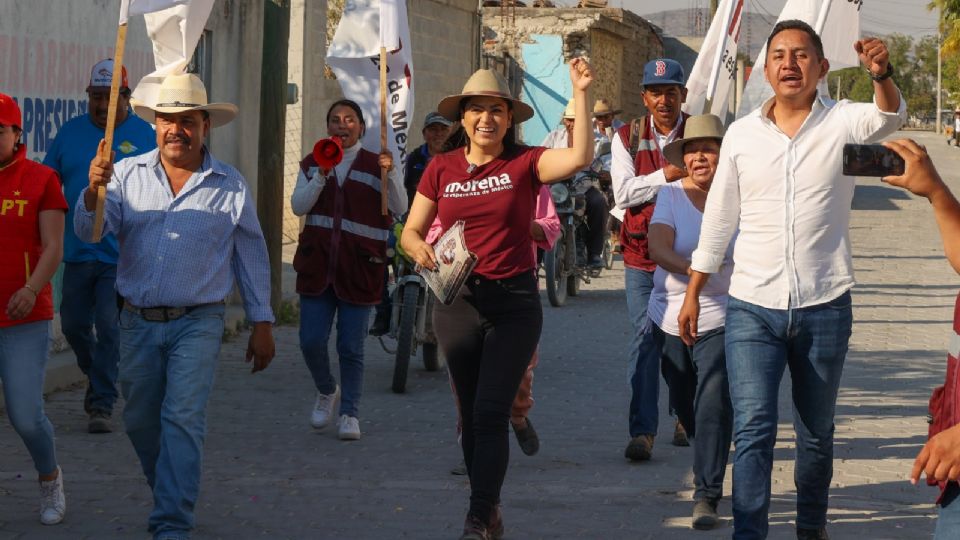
<point x="475" y="529"/>
<point x="639" y="448"/>
<point x="680" y="435"/>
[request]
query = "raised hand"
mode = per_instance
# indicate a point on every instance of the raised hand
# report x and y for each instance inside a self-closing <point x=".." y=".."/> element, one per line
<point x="581" y="75"/>
<point x="873" y="55"/>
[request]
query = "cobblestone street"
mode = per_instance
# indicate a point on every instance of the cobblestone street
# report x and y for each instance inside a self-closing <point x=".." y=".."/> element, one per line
<point x="268" y="474"/>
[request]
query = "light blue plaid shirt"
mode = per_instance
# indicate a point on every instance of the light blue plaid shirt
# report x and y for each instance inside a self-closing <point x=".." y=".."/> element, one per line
<point x="183" y="250"/>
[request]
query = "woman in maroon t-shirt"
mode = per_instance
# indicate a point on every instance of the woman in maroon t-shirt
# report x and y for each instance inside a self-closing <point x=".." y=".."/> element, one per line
<point x="490" y="331"/>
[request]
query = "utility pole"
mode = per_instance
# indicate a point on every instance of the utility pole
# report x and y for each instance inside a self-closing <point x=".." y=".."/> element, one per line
<point x="273" y="113"/>
<point x="939" y="71"/>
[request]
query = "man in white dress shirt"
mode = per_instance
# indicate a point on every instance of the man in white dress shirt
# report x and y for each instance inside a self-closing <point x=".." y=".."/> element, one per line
<point x="779" y="179"/>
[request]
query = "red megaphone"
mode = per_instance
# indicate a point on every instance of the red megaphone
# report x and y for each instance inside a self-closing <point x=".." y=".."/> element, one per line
<point x="328" y="153"/>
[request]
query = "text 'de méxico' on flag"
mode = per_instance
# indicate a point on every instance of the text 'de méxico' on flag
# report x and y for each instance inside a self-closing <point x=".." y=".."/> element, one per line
<point x="354" y="57"/>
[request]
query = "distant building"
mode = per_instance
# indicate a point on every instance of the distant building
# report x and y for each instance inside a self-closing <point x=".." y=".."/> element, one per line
<point x="531" y="46"/>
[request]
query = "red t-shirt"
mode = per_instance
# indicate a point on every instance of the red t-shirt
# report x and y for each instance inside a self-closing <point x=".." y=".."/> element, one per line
<point x="26" y="189"/>
<point x="497" y="202"/>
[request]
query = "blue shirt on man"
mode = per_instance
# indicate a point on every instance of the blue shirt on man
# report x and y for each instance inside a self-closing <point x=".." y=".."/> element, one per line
<point x="185" y="249"/>
<point x="70" y="155"/>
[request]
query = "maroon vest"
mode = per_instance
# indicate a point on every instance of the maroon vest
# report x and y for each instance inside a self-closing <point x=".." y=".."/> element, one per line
<point x="636" y="219"/>
<point x="945" y="401"/>
<point x="344" y="240"/>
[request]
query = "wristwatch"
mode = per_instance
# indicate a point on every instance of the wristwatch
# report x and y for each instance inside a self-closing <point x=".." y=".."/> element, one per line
<point x="884" y="76"/>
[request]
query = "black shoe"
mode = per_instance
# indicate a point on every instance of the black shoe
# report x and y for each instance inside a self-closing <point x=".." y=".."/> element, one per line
<point x="381" y="324"/>
<point x="812" y="534"/>
<point x="595" y="262"/>
<point x="99" y="422"/>
<point x="527" y="437"/>
<point x="460" y="469"/>
<point x="705" y="515"/>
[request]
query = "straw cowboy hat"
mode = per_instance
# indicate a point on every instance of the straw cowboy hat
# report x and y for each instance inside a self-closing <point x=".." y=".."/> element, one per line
<point x="484" y="82"/>
<point x="602" y="107"/>
<point x="704" y="126"/>
<point x="182" y="93"/>
<point x="569" y="113"/>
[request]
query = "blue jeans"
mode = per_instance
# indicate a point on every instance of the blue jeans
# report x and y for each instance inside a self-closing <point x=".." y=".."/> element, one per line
<point x="90" y="300"/>
<point x="761" y="342"/>
<point x="948" y="522"/>
<point x="643" y="356"/>
<point x="699" y="393"/>
<point x="24" y="350"/>
<point x="166" y="373"/>
<point x="316" y="321"/>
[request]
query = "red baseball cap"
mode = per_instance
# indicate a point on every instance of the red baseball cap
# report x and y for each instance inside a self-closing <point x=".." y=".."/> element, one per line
<point x="10" y="112"/>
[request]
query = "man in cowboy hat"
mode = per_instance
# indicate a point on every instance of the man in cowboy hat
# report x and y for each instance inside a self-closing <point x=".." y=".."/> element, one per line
<point x="188" y="230"/>
<point x="90" y="270"/>
<point x="638" y="171"/>
<point x="605" y="121"/>
<point x="596" y="209"/>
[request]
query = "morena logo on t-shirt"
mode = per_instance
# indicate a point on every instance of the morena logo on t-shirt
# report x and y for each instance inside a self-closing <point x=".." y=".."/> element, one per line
<point x="471" y="188"/>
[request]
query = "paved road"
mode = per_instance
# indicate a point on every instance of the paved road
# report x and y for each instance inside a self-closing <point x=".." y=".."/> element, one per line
<point x="269" y="475"/>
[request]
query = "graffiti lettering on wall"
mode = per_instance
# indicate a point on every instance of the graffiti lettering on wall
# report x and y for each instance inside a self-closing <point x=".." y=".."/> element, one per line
<point x="48" y="79"/>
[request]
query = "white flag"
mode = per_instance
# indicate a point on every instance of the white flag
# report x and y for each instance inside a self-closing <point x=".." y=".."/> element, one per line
<point x="354" y="58"/>
<point x="142" y="7"/>
<point x="838" y="24"/>
<point x="716" y="69"/>
<point x="175" y="33"/>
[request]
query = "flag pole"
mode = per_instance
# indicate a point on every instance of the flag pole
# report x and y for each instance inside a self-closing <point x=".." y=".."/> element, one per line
<point x="718" y="59"/>
<point x="383" y="127"/>
<point x="111" y="123"/>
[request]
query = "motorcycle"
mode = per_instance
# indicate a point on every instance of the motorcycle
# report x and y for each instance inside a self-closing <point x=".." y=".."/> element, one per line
<point x="411" y="321"/>
<point x="565" y="265"/>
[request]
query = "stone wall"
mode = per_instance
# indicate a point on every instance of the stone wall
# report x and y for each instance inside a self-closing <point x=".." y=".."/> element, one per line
<point x="618" y="42"/>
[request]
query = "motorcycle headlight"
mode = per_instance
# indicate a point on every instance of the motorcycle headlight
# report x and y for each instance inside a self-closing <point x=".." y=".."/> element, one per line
<point x="559" y="193"/>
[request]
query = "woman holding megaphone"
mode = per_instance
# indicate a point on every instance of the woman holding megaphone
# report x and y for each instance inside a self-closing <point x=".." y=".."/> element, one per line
<point x="341" y="258"/>
<point x="490" y="331"/>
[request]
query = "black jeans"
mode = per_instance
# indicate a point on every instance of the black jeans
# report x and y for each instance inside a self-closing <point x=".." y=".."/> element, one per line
<point x="488" y="336"/>
<point x="700" y="395"/>
<point x="596" y="221"/>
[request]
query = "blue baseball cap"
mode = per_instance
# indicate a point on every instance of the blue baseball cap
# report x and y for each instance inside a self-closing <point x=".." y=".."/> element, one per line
<point x="662" y="71"/>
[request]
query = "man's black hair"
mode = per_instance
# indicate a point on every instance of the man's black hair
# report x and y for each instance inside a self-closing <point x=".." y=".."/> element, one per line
<point x="796" y="24"/>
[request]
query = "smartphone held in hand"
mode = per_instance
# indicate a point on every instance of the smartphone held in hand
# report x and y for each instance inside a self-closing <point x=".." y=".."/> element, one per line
<point x="871" y="160"/>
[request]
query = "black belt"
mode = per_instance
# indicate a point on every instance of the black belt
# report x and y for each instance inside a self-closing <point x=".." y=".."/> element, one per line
<point x="163" y="313"/>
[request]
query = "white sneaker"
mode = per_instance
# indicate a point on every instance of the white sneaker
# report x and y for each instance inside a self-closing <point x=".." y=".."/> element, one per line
<point x="349" y="428"/>
<point x="53" y="504"/>
<point x="323" y="409"/>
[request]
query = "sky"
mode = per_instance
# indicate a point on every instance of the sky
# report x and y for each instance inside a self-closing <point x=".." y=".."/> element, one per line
<point x="905" y="16"/>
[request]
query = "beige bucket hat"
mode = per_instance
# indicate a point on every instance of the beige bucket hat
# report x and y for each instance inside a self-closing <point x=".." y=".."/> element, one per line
<point x="603" y="106"/>
<point x="569" y="113"/>
<point x="484" y="82"/>
<point x="182" y="93"/>
<point x="704" y="126"/>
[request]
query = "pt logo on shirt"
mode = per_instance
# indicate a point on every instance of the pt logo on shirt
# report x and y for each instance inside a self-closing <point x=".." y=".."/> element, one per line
<point x="8" y="205"/>
<point x="485" y="186"/>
